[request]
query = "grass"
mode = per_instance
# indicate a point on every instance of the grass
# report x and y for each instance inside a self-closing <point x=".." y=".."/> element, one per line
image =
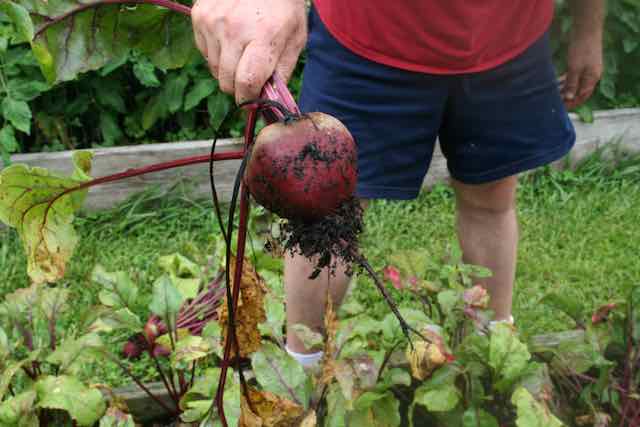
<point x="579" y="234"/>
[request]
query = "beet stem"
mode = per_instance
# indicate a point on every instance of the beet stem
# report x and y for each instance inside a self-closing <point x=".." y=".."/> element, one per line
<point x="232" y="299"/>
<point x="163" y="377"/>
<point x="141" y="384"/>
<point x="187" y="161"/>
<point x="176" y="7"/>
<point x="406" y="328"/>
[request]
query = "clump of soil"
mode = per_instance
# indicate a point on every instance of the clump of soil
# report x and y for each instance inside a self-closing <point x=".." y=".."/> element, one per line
<point x="327" y="240"/>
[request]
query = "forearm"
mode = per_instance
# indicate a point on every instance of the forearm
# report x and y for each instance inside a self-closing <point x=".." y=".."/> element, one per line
<point x="588" y="16"/>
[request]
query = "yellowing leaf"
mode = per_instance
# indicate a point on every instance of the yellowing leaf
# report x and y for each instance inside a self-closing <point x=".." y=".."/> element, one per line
<point x="33" y="201"/>
<point x="270" y="409"/>
<point x="312" y="340"/>
<point x="189" y="349"/>
<point x="250" y="310"/>
<point x="115" y="417"/>
<point x="354" y="375"/>
<point x="424" y="358"/>
<point x="310" y="420"/>
<point x="532" y="413"/>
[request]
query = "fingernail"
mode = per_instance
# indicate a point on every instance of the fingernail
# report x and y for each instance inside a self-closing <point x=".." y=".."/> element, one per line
<point x="570" y="96"/>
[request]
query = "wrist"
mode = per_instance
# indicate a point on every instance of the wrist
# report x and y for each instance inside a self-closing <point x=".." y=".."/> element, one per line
<point x="590" y="33"/>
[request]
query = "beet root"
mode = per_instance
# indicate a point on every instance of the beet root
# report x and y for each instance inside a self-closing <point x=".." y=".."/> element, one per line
<point x="303" y="168"/>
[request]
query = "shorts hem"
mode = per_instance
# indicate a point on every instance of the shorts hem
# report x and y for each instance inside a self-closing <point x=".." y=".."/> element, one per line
<point x="390" y="193"/>
<point x="514" y="168"/>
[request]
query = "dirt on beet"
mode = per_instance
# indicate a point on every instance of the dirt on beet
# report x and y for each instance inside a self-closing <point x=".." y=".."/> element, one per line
<point x="327" y="240"/>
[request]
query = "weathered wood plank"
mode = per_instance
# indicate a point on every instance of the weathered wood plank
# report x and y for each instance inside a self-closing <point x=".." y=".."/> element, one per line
<point x="142" y="407"/>
<point x="617" y="125"/>
<point x="551" y="341"/>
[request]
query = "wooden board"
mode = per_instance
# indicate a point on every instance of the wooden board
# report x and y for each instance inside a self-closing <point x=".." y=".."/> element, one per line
<point x="616" y="125"/>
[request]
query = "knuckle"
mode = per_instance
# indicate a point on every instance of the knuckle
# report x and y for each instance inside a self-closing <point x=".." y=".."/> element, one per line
<point x="232" y="26"/>
<point x="212" y="20"/>
<point x="268" y="31"/>
<point x="226" y="86"/>
<point x="245" y="83"/>
<point x="300" y="42"/>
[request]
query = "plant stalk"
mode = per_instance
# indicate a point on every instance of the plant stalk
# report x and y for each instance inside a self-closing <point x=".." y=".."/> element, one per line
<point x="163" y="377"/>
<point x="130" y="173"/>
<point x="232" y="300"/>
<point x="141" y="384"/>
<point x="176" y="7"/>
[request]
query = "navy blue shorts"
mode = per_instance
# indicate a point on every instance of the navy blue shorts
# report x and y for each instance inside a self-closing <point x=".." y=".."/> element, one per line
<point x="490" y="124"/>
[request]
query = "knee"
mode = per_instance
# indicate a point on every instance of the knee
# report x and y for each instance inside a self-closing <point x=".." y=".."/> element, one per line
<point x="494" y="198"/>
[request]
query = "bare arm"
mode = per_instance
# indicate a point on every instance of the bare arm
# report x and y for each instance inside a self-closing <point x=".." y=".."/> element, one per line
<point x="584" y="59"/>
<point x="588" y="16"/>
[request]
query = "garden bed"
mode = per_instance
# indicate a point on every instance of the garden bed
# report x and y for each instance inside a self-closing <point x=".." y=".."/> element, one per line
<point x="145" y="410"/>
<point x="612" y="126"/>
<point x="596" y="208"/>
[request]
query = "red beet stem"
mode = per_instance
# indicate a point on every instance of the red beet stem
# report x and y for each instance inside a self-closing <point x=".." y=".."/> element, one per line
<point x="130" y="173"/>
<point x="176" y="7"/>
<point x="276" y="90"/>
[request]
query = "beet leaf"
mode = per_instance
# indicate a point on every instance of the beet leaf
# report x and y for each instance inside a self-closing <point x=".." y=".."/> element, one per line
<point x="69" y="37"/>
<point x="34" y="202"/>
<point x="85" y="405"/>
<point x="19" y="410"/>
<point x="279" y="373"/>
<point x="117" y="289"/>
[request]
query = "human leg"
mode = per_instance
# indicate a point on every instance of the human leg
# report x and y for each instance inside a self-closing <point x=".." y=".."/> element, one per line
<point x="307" y="298"/>
<point x="499" y="123"/>
<point x="488" y="234"/>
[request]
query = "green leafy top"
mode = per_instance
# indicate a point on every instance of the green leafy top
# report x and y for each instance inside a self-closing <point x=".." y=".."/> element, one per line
<point x="69" y="37"/>
<point x="36" y="203"/>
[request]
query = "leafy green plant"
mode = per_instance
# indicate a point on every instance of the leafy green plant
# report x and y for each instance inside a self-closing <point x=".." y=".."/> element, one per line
<point x="597" y="365"/>
<point x="133" y="98"/>
<point x="181" y="331"/>
<point x="41" y="360"/>
<point x="20" y="83"/>
<point x="370" y="374"/>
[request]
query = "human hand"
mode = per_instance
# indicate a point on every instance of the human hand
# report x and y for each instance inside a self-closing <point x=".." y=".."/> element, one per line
<point x="584" y="67"/>
<point x="245" y="41"/>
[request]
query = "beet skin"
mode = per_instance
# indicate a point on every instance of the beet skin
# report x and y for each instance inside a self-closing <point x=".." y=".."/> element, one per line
<point x="303" y="168"/>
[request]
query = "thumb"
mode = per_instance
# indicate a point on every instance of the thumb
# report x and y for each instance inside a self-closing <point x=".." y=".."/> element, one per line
<point x="571" y="85"/>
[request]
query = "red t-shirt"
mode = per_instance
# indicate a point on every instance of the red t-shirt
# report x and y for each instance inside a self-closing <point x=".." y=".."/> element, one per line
<point x="437" y="36"/>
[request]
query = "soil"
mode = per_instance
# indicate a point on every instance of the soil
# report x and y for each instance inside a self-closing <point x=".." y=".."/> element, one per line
<point x="327" y="240"/>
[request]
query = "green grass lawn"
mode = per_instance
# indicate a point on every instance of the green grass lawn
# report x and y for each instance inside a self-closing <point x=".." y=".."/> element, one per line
<point x="579" y="235"/>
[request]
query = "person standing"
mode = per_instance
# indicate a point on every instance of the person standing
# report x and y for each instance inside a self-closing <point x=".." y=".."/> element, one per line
<point x="478" y="75"/>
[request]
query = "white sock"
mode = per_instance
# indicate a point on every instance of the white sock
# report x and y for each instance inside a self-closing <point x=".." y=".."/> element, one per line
<point x="306" y="360"/>
<point x="495" y="322"/>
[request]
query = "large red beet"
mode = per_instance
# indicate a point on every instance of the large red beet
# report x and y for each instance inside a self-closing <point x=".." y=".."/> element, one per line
<point x="303" y="168"/>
